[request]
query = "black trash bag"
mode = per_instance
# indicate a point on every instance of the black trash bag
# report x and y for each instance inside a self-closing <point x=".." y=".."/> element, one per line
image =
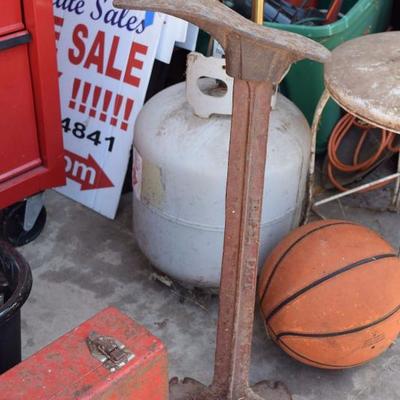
<point x="15" y="288"/>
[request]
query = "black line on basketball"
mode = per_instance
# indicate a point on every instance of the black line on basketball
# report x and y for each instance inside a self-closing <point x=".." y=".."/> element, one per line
<point x="318" y="282"/>
<point x="291" y="248"/>
<point x="342" y="333"/>
<point x="317" y="362"/>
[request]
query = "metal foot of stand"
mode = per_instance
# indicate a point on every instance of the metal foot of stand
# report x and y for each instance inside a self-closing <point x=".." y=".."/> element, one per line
<point x="190" y="389"/>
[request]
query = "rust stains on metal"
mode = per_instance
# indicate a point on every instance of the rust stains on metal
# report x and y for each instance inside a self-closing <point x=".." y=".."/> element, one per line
<point x="239" y="270"/>
<point x="258" y="58"/>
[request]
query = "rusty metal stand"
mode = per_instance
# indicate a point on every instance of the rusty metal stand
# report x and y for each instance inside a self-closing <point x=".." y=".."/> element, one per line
<point x="257" y="58"/>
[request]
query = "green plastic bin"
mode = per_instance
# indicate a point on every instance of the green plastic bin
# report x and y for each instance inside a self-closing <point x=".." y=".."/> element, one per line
<point x="304" y="84"/>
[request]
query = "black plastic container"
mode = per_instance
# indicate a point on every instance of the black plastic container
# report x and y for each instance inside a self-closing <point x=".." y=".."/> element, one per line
<point x="15" y="287"/>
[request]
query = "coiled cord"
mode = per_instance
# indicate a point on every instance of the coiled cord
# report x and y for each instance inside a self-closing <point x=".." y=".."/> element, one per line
<point x="387" y="142"/>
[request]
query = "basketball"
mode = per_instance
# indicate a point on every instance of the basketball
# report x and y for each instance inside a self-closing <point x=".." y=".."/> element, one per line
<point x="330" y="294"/>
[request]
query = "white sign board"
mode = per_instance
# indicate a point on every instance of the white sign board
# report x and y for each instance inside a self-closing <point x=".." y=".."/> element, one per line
<point x="176" y="32"/>
<point x="191" y="38"/>
<point x="105" y="58"/>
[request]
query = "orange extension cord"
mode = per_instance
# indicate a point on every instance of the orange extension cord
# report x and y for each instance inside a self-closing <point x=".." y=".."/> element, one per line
<point x="340" y="131"/>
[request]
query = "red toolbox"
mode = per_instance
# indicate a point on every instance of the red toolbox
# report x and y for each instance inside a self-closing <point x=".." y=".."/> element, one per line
<point x="31" y="151"/>
<point x="109" y="357"/>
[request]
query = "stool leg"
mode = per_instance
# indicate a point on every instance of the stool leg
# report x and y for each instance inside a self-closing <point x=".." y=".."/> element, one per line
<point x="314" y="133"/>
<point x="396" y="194"/>
<point x="386" y="179"/>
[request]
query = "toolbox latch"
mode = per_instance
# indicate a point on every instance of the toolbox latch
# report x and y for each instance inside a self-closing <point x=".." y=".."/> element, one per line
<point x="110" y="352"/>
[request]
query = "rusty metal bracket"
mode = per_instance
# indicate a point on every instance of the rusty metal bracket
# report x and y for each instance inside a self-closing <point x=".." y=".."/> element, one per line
<point x="258" y="58"/>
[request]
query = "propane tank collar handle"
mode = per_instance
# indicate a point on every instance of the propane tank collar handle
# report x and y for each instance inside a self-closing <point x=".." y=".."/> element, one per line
<point x="253" y="52"/>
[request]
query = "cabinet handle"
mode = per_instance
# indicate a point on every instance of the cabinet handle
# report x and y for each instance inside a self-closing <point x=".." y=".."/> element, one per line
<point x="10" y="41"/>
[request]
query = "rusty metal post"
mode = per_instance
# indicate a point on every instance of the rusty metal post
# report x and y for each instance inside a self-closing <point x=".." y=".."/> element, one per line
<point x="257" y="58"/>
<point x="239" y="267"/>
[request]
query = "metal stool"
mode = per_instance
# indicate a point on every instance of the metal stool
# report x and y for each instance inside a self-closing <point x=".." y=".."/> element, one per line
<point x="363" y="77"/>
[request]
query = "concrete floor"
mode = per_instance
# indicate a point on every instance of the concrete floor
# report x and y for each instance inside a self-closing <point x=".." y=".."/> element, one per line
<point x="83" y="263"/>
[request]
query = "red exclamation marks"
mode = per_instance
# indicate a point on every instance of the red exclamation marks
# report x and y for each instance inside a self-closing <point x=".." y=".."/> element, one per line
<point x="75" y="90"/>
<point x="95" y="101"/>
<point x="106" y="105"/>
<point x="91" y="106"/>
<point x="127" y="114"/>
<point x="86" y="91"/>
<point x="117" y="109"/>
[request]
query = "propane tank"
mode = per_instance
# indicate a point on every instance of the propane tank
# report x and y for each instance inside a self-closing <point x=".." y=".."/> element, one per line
<point x="181" y="147"/>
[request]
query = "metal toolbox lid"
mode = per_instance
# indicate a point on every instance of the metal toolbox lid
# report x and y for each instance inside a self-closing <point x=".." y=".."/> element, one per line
<point x="11" y="19"/>
<point x="108" y="357"/>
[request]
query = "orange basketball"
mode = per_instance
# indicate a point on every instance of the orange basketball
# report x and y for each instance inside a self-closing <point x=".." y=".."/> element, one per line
<point x="330" y="294"/>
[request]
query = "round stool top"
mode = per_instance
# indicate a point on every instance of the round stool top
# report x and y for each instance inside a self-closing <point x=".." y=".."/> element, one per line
<point x="363" y="76"/>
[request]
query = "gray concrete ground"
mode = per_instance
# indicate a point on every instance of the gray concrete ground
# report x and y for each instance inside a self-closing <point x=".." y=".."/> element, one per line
<point x="83" y="263"/>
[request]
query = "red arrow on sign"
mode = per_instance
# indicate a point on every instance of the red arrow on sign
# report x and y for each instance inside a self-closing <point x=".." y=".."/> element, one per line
<point x="86" y="171"/>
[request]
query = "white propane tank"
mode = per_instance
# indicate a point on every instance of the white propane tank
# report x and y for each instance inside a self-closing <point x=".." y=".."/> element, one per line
<point x="180" y="172"/>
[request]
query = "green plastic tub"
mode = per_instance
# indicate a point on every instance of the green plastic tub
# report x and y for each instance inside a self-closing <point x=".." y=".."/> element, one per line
<point x="304" y="84"/>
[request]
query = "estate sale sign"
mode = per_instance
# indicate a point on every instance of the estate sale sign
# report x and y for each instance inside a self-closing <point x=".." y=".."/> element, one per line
<point x="105" y="58"/>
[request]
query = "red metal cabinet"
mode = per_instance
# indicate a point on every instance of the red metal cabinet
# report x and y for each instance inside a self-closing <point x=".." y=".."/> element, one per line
<point x="19" y="146"/>
<point x="11" y="17"/>
<point x="31" y="151"/>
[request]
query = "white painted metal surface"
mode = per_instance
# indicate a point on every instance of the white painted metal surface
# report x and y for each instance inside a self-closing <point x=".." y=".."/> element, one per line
<point x="180" y="169"/>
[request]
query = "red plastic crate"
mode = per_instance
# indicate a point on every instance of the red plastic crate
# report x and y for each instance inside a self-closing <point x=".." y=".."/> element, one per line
<point x="67" y="370"/>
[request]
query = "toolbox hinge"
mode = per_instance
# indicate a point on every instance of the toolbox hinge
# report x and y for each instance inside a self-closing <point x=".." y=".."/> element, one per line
<point x="109" y="351"/>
